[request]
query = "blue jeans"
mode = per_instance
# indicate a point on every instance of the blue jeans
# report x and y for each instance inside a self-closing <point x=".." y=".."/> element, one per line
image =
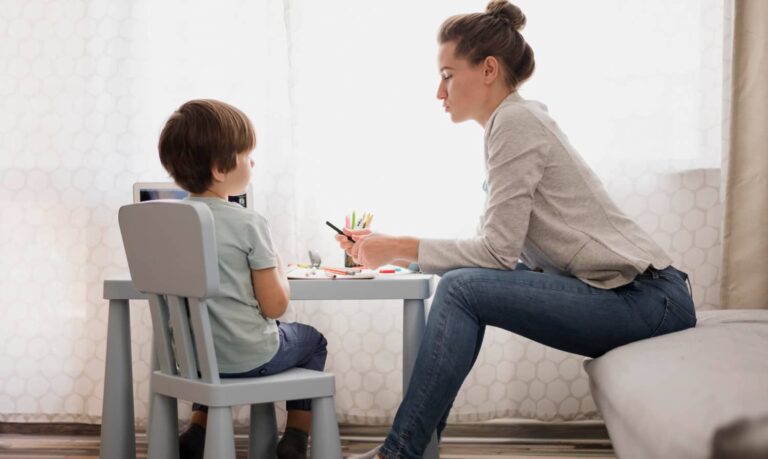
<point x="561" y="312"/>
<point x="301" y="346"/>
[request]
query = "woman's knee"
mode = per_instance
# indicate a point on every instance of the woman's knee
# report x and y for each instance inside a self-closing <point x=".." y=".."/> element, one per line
<point x="462" y="281"/>
<point x="455" y="290"/>
<point x="456" y="279"/>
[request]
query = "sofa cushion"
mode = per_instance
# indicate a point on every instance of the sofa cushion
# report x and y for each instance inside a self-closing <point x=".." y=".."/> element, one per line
<point x="664" y="397"/>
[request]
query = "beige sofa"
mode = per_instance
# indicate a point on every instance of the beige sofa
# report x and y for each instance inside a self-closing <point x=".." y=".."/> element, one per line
<point x="665" y="397"/>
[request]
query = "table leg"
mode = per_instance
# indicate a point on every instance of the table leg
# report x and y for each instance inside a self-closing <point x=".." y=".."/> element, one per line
<point x="118" y="436"/>
<point x="153" y="365"/>
<point x="414" y="321"/>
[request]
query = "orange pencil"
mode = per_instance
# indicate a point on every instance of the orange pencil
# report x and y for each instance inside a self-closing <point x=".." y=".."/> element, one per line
<point x="338" y="270"/>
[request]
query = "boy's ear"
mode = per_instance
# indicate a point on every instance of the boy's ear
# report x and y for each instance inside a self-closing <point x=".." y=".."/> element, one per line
<point x="218" y="176"/>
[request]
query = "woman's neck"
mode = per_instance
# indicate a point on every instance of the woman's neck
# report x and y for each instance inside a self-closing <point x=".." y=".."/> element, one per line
<point x="495" y="98"/>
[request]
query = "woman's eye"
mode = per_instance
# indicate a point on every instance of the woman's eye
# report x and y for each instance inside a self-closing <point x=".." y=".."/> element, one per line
<point x="446" y="77"/>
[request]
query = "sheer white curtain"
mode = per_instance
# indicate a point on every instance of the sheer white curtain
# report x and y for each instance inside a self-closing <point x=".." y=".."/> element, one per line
<point x="85" y="88"/>
<point x="343" y="98"/>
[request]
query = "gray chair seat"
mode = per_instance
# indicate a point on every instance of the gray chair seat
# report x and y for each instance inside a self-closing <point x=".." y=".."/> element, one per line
<point x="293" y="384"/>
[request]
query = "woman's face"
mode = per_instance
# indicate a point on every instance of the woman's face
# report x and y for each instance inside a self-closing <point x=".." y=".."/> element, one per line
<point x="462" y="87"/>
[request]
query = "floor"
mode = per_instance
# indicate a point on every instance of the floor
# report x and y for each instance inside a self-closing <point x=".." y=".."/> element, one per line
<point x="470" y="441"/>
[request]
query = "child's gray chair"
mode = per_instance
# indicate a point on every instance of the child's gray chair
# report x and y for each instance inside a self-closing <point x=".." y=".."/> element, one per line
<point x="173" y="259"/>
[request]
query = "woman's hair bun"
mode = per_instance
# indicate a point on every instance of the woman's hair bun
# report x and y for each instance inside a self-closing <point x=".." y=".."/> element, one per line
<point x="493" y="33"/>
<point x="504" y="10"/>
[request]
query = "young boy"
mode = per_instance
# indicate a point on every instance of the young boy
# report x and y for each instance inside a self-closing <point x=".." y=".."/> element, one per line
<point x="206" y="147"/>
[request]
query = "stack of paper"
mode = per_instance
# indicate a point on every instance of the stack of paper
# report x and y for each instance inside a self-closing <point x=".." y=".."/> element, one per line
<point x="319" y="273"/>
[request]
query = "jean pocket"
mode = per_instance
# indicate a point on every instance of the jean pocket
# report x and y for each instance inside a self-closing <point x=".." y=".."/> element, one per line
<point x="676" y="318"/>
<point x="671" y="271"/>
<point x="685" y="313"/>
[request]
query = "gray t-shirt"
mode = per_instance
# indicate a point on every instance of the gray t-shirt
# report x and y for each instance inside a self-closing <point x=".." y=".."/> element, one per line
<point x="544" y="205"/>
<point x="242" y="336"/>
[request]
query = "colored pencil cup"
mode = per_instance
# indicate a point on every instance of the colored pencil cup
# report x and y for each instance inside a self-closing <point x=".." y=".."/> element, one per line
<point x="349" y="262"/>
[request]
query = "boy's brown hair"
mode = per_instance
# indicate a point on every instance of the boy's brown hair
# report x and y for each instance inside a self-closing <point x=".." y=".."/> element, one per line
<point x="202" y="134"/>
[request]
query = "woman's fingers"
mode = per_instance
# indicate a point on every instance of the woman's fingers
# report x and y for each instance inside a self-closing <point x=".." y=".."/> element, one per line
<point x="344" y="243"/>
<point x="352" y="248"/>
<point x="357" y="234"/>
<point x="361" y="232"/>
<point x="354" y="252"/>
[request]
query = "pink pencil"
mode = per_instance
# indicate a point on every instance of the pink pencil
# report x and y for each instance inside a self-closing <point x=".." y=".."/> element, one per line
<point x="346" y="222"/>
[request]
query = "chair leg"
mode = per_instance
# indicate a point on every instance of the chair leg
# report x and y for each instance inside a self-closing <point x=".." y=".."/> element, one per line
<point x="219" y="434"/>
<point x="263" y="431"/>
<point x="325" y="430"/>
<point x="163" y="432"/>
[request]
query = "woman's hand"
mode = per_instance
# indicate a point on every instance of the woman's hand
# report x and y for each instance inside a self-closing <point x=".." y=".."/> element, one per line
<point x="375" y="249"/>
<point x="369" y="249"/>
<point x="345" y="243"/>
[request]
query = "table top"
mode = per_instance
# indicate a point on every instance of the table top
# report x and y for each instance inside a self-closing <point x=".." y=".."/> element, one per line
<point x="385" y="287"/>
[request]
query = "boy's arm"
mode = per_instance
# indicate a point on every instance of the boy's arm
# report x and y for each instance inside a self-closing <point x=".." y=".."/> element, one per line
<point x="270" y="287"/>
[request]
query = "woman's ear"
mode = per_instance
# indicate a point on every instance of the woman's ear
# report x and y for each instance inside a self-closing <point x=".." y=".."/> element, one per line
<point x="491" y="69"/>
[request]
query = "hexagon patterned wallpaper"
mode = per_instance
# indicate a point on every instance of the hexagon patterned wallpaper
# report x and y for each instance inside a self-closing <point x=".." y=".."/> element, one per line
<point x="84" y="89"/>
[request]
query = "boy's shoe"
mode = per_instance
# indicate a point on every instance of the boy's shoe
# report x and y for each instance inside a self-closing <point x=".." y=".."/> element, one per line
<point x="192" y="442"/>
<point x="293" y="445"/>
<point x="372" y="454"/>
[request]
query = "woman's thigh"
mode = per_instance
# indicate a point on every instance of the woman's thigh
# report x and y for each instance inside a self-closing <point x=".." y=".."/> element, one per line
<point x="561" y="312"/>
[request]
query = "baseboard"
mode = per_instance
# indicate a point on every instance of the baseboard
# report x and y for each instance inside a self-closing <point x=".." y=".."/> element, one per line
<point x="494" y="431"/>
<point x="50" y="428"/>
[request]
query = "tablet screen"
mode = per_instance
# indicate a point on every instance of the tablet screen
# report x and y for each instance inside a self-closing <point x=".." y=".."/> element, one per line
<point x="150" y="194"/>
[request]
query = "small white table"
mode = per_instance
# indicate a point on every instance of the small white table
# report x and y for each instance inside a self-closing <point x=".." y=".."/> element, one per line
<point x="118" y="436"/>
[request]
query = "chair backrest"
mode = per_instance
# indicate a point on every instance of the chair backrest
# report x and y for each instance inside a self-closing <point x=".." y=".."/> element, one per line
<point x="171" y="247"/>
<point x="171" y="250"/>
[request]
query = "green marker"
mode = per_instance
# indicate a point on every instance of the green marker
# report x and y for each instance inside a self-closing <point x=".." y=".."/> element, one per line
<point x="353" y="219"/>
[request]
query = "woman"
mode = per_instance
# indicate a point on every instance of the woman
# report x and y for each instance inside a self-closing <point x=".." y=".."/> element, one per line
<point x="590" y="278"/>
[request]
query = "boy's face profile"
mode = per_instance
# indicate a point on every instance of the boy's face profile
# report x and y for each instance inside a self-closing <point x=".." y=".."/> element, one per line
<point x="235" y="181"/>
<point x="215" y="133"/>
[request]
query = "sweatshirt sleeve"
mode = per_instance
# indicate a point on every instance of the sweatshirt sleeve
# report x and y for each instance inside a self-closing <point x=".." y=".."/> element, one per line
<point x="517" y="146"/>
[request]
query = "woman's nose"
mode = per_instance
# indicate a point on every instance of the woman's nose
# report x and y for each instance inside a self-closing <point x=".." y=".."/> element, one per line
<point x="441" y="92"/>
